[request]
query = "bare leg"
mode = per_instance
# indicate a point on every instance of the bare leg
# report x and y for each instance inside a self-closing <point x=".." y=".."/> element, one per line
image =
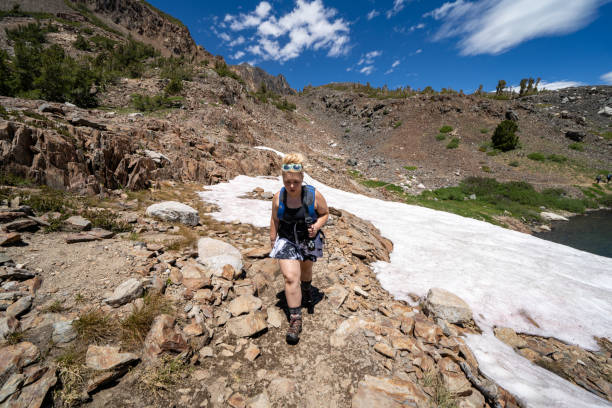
<point x="291" y="272"/>
<point x="306" y="269"/>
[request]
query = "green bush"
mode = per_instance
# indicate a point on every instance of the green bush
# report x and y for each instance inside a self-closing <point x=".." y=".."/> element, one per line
<point x="486" y="169"/>
<point x="536" y="156"/>
<point x="440" y="136"/>
<point x="284" y="105"/>
<point x="494" y="152"/>
<point x="446" y="129"/>
<point x="397" y="124"/>
<point x="453" y="144"/>
<point x="81" y="43"/>
<point x="484" y="130"/>
<point x="107" y="220"/>
<point x="146" y="103"/>
<point x="504" y="137"/>
<point x="513" y="163"/>
<point x="174" y="86"/>
<point x="410" y="168"/>
<point x="577" y="146"/>
<point x="223" y="70"/>
<point x="557" y="158"/>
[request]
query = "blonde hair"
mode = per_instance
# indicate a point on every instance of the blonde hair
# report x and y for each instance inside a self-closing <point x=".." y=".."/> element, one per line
<point x="296" y="158"/>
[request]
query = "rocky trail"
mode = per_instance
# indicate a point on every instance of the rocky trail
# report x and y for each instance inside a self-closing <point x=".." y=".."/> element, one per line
<point x="211" y="319"/>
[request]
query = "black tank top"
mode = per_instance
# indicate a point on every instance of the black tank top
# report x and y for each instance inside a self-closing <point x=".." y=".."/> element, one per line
<point x="292" y="225"/>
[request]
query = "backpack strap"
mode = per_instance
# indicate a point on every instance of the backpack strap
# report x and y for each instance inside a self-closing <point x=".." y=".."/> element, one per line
<point x="282" y="203"/>
<point x="308" y="201"/>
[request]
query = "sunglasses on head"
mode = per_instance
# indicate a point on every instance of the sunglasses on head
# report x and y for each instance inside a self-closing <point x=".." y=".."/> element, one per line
<point x="292" y="167"/>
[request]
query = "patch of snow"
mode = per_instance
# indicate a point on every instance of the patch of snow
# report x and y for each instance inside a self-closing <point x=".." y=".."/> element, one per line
<point x="508" y="279"/>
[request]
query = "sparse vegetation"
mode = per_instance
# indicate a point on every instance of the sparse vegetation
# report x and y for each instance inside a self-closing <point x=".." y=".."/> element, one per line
<point x="513" y="163"/>
<point x="557" y="158"/>
<point x="82" y="44"/>
<point x="537" y="156"/>
<point x="134" y="328"/>
<point x="95" y="326"/>
<point x="265" y="95"/>
<point x="484" y="130"/>
<point x="106" y="219"/>
<point x="577" y="146"/>
<point x="223" y="70"/>
<point x="397" y="124"/>
<point x="446" y="129"/>
<point x="146" y="103"/>
<point x="453" y="144"/>
<point x="55" y="307"/>
<point x="48" y="199"/>
<point x="440" y="136"/>
<point x="410" y="168"/>
<point x="504" y="137"/>
<point x="168" y="372"/>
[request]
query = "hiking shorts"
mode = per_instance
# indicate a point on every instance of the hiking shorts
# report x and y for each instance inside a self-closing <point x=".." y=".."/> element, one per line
<point x="287" y="249"/>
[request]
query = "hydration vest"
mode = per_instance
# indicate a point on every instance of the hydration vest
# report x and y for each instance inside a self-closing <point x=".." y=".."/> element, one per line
<point x="308" y="202"/>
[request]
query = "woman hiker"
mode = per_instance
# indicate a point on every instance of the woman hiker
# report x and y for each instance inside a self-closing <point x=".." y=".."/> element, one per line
<point x="298" y="213"/>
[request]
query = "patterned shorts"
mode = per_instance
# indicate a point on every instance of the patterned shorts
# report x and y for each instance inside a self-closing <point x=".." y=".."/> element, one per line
<point x="286" y="249"/>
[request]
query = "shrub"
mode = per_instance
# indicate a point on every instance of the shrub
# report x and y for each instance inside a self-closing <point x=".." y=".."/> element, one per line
<point x="223" y="70"/>
<point x="536" y="156"/>
<point x="81" y="43"/>
<point x="446" y="129"/>
<point x="557" y="158"/>
<point x="410" y="168"/>
<point x="107" y="220"/>
<point x="513" y="163"/>
<point x="146" y="103"/>
<point x="504" y="137"/>
<point x="577" y="146"/>
<point x="453" y="144"/>
<point x="440" y="136"/>
<point x="397" y="124"/>
<point x="486" y="169"/>
<point x="484" y="130"/>
<point x="284" y="105"/>
<point x="174" y="86"/>
<point x="493" y="152"/>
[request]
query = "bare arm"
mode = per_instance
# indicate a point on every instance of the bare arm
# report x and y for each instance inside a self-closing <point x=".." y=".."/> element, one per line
<point x="274" y="219"/>
<point x="322" y="212"/>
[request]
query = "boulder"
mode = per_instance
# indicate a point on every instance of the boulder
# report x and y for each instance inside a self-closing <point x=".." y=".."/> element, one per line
<point x="78" y="121"/>
<point x="11" y="386"/>
<point x="8" y="324"/>
<point x="575" y="135"/>
<point x="12" y="238"/>
<point x="157" y="157"/>
<point x="337" y="295"/>
<point x="448" y="306"/>
<point x="125" y="293"/>
<point x="605" y="111"/>
<point x="509" y="336"/>
<point x="511" y="115"/>
<point x="20" y="307"/>
<point x="215" y="254"/>
<point x="76" y="223"/>
<point x="244" y="304"/>
<point x="549" y="216"/>
<point x="174" y="212"/>
<point x="247" y="325"/>
<point x="426" y="330"/>
<point x="14" y="358"/>
<point x="63" y="332"/>
<point x="388" y="393"/>
<point x="107" y="358"/>
<point x="94" y="235"/>
<point x="275" y="317"/>
<point x="34" y="394"/>
<point x="163" y="337"/>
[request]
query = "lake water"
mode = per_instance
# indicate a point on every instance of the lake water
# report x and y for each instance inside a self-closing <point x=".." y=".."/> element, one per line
<point x="591" y="232"/>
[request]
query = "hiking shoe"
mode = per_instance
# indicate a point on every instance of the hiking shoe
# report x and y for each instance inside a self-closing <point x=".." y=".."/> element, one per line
<point x="294" y="330"/>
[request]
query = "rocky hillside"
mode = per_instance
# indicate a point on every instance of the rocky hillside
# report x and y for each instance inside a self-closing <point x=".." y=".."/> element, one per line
<point x="106" y="302"/>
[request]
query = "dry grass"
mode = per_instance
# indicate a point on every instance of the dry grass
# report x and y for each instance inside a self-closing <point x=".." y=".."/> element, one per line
<point x="442" y="397"/>
<point x="189" y="239"/>
<point x="55" y="307"/>
<point x="96" y="326"/>
<point x="134" y="328"/>
<point x="14" y="337"/>
<point x="73" y="376"/>
<point x="168" y="372"/>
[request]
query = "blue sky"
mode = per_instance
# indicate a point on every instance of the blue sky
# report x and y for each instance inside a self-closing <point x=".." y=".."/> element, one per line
<point x="458" y="44"/>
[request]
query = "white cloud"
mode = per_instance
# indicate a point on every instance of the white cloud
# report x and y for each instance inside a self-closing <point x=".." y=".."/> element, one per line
<point x="416" y="27"/>
<point x="607" y="78"/>
<point x="368" y="58"/>
<point x="367" y="70"/>
<point x="412" y="54"/>
<point x="495" y="26"/>
<point x="253" y="19"/>
<point x="398" y="5"/>
<point x="237" y="41"/>
<point x="372" y="14"/>
<point x="551" y="86"/>
<point x="238" y="55"/>
<point x="225" y="37"/>
<point x="310" y="25"/>
<point x="395" y="64"/>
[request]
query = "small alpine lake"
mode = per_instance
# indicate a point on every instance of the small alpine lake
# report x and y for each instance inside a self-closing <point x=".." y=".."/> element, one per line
<point x="591" y="232"/>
